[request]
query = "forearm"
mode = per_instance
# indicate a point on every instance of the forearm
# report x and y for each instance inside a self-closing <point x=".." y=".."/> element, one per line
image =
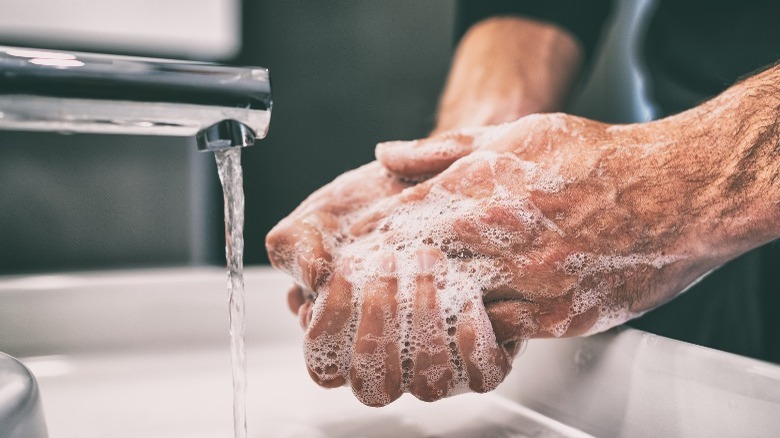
<point x="750" y="183"/>
<point x="505" y="68"/>
<point x="725" y="156"/>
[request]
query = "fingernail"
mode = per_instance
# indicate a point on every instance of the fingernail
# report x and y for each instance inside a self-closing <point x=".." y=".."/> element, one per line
<point x="305" y="314"/>
<point x="305" y="262"/>
<point x="515" y="348"/>
<point x="387" y="263"/>
<point x="426" y="259"/>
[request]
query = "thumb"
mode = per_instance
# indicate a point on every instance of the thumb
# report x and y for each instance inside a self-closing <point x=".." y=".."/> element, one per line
<point x="429" y="156"/>
<point x="513" y="323"/>
<point x="417" y="159"/>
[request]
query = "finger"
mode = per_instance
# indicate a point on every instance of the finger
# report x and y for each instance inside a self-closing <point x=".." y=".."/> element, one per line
<point x="297" y="247"/>
<point x="582" y="323"/>
<point x="479" y="356"/>
<point x="281" y="243"/>
<point x="431" y="376"/>
<point x="419" y="158"/>
<point x="330" y="332"/>
<point x="305" y="313"/>
<point x="380" y="216"/>
<point x="516" y="318"/>
<point x="513" y="322"/>
<point x="375" y="375"/>
<point x="295" y="298"/>
<point x="560" y="317"/>
<point x="498" y="233"/>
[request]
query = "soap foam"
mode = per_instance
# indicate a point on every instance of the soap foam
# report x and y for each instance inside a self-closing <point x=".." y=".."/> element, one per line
<point x="596" y="269"/>
<point x="460" y="277"/>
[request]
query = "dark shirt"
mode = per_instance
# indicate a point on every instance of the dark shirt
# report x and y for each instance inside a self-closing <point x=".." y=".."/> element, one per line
<point x="693" y="50"/>
<point x="696" y="48"/>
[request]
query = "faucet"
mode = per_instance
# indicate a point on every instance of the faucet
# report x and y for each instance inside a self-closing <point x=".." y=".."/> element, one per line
<point x="63" y="91"/>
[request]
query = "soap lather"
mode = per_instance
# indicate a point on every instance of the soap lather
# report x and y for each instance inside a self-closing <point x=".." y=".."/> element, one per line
<point x="63" y="91"/>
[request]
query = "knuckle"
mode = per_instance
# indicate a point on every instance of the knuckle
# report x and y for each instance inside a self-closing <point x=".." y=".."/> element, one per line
<point x="316" y="269"/>
<point x="279" y="245"/>
<point x="329" y="382"/>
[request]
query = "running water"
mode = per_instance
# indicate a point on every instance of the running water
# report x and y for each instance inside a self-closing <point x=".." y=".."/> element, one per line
<point x="229" y="167"/>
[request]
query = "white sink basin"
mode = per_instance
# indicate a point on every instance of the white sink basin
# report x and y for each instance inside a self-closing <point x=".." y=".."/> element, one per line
<point x="145" y="354"/>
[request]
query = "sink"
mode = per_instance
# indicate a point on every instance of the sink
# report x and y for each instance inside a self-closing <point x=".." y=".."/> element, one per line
<point x="146" y="353"/>
<point x="21" y="415"/>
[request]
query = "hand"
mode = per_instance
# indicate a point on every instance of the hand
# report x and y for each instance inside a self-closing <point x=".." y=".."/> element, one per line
<point x="302" y="243"/>
<point x="532" y="68"/>
<point x="352" y="332"/>
<point x="591" y="227"/>
<point x="433" y="290"/>
<point x="559" y="225"/>
<point x="651" y="207"/>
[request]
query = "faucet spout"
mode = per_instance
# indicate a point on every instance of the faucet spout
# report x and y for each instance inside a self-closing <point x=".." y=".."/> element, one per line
<point x="225" y="135"/>
<point x="45" y="90"/>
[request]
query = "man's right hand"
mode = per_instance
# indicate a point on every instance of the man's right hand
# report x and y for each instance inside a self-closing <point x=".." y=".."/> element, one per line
<point x="302" y="243"/>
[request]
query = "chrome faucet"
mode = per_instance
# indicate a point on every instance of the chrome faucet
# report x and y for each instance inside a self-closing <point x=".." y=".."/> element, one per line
<point x="46" y="90"/>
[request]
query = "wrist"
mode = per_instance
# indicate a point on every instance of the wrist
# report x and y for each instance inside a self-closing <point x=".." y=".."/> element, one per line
<point x="505" y="68"/>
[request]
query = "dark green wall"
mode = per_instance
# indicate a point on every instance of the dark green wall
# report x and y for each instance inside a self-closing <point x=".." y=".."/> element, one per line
<point x="345" y="75"/>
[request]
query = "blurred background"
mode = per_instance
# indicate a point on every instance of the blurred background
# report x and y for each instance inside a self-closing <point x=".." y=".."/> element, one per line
<point x="345" y="75"/>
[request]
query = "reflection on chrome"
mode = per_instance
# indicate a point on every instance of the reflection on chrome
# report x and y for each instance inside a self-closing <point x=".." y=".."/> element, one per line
<point x="27" y="53"/>
<point x="57" y="62"/>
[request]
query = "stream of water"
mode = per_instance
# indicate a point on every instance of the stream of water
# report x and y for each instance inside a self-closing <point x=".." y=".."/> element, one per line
<point x="230" y="174"/>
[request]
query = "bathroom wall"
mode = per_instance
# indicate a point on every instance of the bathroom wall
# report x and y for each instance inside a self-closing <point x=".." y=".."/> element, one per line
<point x="345" y="76"/>
<point x="349" y="74"/>
<point x="86" y="202"/>
<point x="198" y="29"/>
